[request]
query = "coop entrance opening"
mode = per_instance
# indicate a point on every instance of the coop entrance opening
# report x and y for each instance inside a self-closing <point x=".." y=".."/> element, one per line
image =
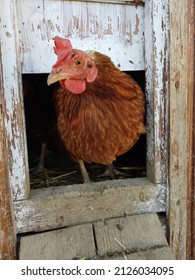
<point x="49" y="162"/>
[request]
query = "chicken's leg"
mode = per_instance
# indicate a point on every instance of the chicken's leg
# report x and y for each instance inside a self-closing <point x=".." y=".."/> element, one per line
<point x="42" y="157"/>
<point x="40" y="166"/>
<point x="84" y="173"/>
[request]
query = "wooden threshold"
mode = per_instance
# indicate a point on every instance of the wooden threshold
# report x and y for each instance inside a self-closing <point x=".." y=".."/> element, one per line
<point x="58" y="207"/>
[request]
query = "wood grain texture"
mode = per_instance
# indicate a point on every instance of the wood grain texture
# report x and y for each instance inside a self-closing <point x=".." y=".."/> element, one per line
<point x="7" y="231"/>
<point x="193" y="143"/>
<point x="12" y="100"/>
<point x="141" y="234"/>
<point x="64" y="206"/>
<point x="157" y="86"/>
<point x="113" y="29"/>
<point x="135" y="233"/>
<point x="191" y="87"/>
<point x="181" y="109"/>
<point x="63" y="244"/>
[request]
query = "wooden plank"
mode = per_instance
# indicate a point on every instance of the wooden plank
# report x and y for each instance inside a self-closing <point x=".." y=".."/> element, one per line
<point x="69" y="205"/>
<point x="7" y="231"/>
<point x="163" y="253"/>
<point x="127" y="234"/>
<point x="192" y="89"/>
<point x="157" y="87"/>
<point x="65" y="244"/>
<point x="12" y="99"/>
<point x="193" y="155"/>
<point x="113" y="29"/>
<point x="181" y="110"/>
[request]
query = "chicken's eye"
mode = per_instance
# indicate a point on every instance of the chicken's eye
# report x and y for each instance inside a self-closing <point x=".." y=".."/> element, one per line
<point x="78" y="62"/>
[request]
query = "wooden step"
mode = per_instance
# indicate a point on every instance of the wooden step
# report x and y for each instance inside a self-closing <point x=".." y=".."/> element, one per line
<point x="131" y="237"/>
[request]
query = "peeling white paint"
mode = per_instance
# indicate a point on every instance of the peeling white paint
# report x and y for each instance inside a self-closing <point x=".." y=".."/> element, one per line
<point x="44" y="210"/>
<point x="113" y="29"/>
<point x="157" y="63"/>
<point x="13" y="118"/>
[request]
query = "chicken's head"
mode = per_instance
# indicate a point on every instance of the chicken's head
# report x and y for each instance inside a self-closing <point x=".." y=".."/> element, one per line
<point x="73" y="69"/>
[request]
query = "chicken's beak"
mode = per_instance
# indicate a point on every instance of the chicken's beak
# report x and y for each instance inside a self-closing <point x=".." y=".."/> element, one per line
<point x="55" y="76"/>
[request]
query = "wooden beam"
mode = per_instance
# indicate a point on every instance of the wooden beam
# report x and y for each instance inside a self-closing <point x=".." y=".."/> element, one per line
<point x="75" y="204"/>
<point x="13" y="101"/>
<point x="181" y="122"/>
<point x="7" y="232"/>
<point x="191" y="88"/>
<point x="157" y="69"/>
<point x="193" y="155"/>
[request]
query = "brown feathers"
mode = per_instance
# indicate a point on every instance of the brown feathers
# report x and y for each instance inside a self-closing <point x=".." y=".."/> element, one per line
<point x="106" y="119"/>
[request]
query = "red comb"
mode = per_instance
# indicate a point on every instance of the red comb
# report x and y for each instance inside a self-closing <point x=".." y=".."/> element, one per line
<point x="62" y="48"/>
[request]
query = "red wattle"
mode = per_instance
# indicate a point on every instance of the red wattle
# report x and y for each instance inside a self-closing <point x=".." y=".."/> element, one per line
<point x="75" y="86"/>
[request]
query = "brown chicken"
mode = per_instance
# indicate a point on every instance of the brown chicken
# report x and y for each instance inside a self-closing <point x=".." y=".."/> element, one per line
<point x="100" y="109"/>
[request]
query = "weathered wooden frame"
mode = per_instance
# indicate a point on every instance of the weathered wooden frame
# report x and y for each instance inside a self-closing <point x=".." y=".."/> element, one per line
<point x="148" y="196"/>
<point x="13" y="101"/>
<point x="181" y="97"/>
<point x="157" y="88"/>
<point x="7" y="223"/>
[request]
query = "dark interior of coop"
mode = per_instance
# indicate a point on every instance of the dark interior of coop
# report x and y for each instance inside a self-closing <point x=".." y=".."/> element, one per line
<point x="49" y="162"/>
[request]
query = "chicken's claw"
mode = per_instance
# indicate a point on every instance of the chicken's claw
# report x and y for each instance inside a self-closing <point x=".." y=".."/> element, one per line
<point x="112" y="172"/>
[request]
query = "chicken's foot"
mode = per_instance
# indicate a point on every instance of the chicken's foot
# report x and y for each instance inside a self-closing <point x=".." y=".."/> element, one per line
<point x="112" y="172"/>
<point x="84" y="172"/>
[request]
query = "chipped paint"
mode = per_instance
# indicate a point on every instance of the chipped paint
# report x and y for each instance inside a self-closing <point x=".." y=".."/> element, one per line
<point x="181" y="203"/>
<point x="44" y="209"/>
<point x="114" y="29"/>
<point x="136" y="31"/>
<point x="157" y="57"/>
<point x="7" y="222"/>
<point x="13" y="119"/>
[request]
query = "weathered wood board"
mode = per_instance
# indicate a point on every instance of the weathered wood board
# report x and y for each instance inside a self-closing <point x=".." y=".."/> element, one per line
<point x="181" y="135"/>
<point x="13" y="103"/>
<point x="142" y="237"/>
<point x="69" y="205"/>
<point x="7" y="229"/>
<point x="62" y="244"/>
<point x="157" y="87"/>
<point x="111" y="28"/>
<point x="129" y="234"/>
